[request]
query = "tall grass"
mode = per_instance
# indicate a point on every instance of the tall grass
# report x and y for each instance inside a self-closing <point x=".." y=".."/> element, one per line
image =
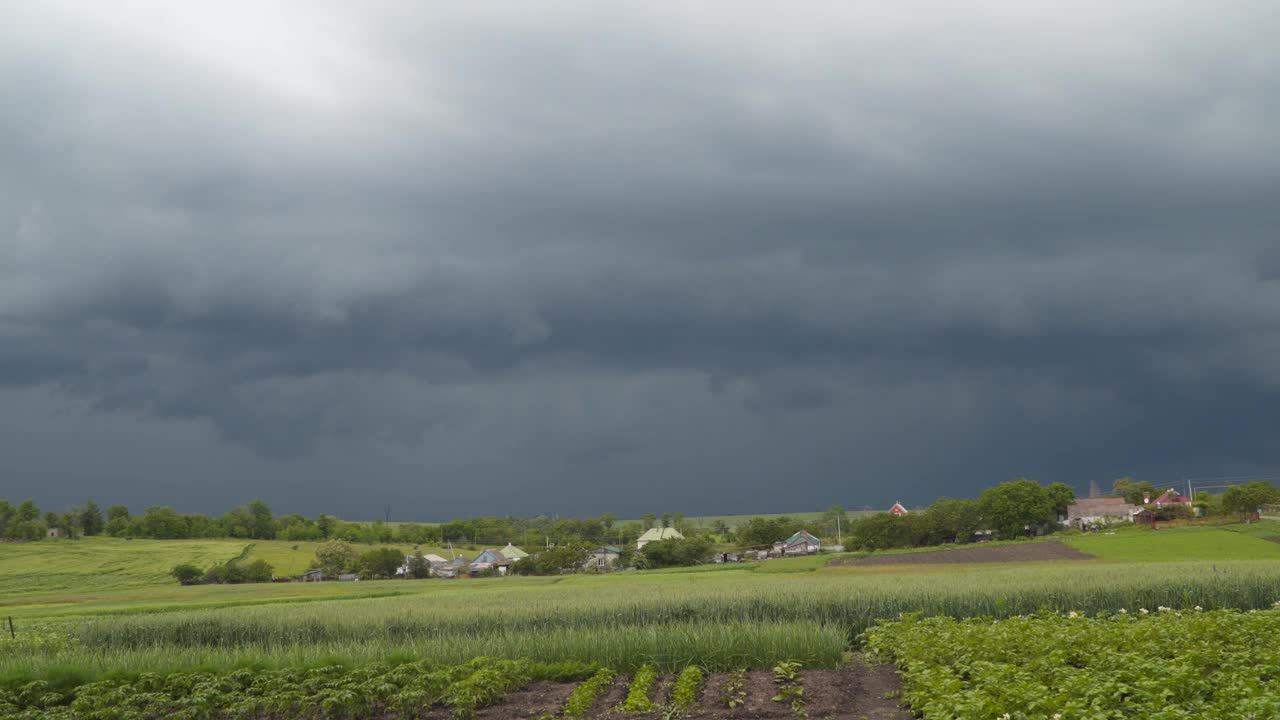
<point x="720" y="646"/>
<point x="850" y="601"/>
<point x="720" y="620"/>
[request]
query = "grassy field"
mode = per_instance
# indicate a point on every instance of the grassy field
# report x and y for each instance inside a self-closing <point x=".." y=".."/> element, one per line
<point x="102" y="564"/>
<point x="1177" y="544"/>
<point x="293" y="558"/>
<point x="719" y="617"/>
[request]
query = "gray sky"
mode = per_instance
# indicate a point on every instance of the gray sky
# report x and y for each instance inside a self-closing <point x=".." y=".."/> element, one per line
<point x="482" y="258"/>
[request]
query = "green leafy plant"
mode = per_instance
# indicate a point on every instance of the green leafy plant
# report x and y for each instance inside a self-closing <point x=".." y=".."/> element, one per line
<point x="790" y="689"/>
<point x="685" y="693"/>
<point x="734" y="691"/>
<point x="638" y="694"/>
<point x="584" y="696"/>
<point x="1153" y="662"/>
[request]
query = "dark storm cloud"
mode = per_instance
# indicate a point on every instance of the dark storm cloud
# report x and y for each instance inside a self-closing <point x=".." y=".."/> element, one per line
<point x="633" y="257"/>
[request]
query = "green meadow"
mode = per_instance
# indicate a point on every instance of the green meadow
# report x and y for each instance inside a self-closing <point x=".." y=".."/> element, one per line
<point x="95" y="608"/>
<point x="1180" y="544"/>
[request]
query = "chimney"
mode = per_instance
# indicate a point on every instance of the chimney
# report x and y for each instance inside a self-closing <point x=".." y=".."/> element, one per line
<point x="1146" y="498"/>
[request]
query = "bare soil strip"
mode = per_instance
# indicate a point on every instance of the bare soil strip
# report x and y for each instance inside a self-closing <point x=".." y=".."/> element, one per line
<point x="856" y="692"/>
<point x="852" y="693"/>
<point x="977" y="554"/>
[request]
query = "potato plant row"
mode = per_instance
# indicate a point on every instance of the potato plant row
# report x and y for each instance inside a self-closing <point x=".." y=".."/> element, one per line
<point x="407" y="690"/>
<point x="1153" y="663"/>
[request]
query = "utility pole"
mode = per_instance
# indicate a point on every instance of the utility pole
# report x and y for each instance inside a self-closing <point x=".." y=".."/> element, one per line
<point x="839" y="534"/>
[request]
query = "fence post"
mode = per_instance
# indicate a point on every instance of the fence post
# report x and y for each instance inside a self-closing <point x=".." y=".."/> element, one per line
<point x="12" y="634"/>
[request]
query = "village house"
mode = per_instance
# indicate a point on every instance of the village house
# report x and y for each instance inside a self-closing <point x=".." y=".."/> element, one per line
<point x="603" y="558"/>
<point x="802" y="543"/>
<point x="431" y="558"/>
<point x="1170" y="498"/>
<point x="654" y="534"/>
<point x="1086" y="512"/>
<point x="312" y="575"/>
<point x="489" y="559"/>
<point x="513" y="553"/>
<point x="898" y="509"/>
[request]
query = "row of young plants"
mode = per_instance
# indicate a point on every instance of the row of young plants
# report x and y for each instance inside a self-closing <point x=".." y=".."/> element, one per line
<point x="1153" y="663"/>
<point x="407" y="690"/>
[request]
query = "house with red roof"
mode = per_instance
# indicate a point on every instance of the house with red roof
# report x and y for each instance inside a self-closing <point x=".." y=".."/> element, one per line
<point x="898" y="509"/>
<point x="1170" y="498"/>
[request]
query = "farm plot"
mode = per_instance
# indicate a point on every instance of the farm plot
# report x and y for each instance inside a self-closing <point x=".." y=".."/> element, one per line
<point x="1156" y="663"/>
<point x="482" y="688"/>
<point x="1022" y="552"/>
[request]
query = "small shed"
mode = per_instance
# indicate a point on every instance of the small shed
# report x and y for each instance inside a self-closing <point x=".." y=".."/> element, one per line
<point x="603" y="558"/>
<point x="54" y="533"/>
<point x="312" y="575"/>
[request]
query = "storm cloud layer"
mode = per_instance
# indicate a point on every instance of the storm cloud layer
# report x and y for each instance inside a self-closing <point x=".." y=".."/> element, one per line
<point x="482" y="258"/>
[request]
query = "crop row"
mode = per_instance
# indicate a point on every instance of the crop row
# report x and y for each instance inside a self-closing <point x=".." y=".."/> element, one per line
<point x="853" y="602"/>
<point x="1156" y="663"/>
<point x="408" y="690"/>
<point x="715" y="646"/>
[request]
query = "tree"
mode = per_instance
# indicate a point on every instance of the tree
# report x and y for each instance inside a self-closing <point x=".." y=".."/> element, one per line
<point x="334" y="557"/>
<point x="1061" y="497"/>
<point x="672" y="553"/>
<point x="6" y="513"/>
<point x="91" y="521"/>
<point x="1012" y="508"/>
<point x="1132" y="490"/>
<point x="649" y="521"/>
<point x="951" y="521"/>
<point x="27" y="512"/>
<point x="834" y="520"/>
<point x="258" y="571"/>
<point x="419" y="567"/>
<point x="326" y="523"/>
<point x="767" y="531"/>
<point x="117" y="521"/>
<point x="162" y="523"/>
<point x="1250" y="497"/>
<point x="666" y="520"/>
<point x="24" y="523"/>
<point x="379" y="563"/>
<point x="607" y="520"/>
<point x="186" y="574"/>
<point x="560" y="558"/>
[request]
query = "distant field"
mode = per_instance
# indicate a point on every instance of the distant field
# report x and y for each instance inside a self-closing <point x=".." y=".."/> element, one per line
<point x="1264" y="529"/>
<point x="99" y="564"/>
<point x="1174" y="544"/>
<point x="293" y="558"/>
<point x="736" y="520"/>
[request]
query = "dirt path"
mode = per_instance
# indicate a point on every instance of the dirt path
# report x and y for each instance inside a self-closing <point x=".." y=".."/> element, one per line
<point x="975" y="554"/>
